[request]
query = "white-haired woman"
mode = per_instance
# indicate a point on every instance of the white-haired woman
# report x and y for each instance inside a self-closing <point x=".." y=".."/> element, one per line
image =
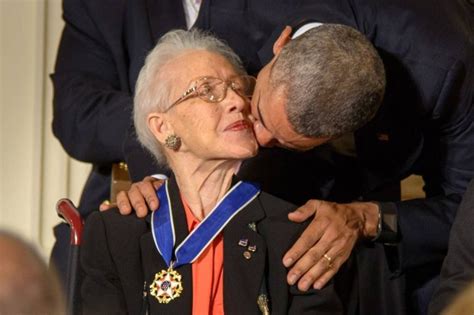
<point x="216" y="244"/>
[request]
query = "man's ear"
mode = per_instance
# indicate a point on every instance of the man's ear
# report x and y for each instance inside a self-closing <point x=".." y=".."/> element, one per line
<point x="159" y="126"/>
<point x="282" y="40"/>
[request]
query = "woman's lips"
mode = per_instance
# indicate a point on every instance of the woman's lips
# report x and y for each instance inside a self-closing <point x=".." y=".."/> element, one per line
<point x="238" y="125"/>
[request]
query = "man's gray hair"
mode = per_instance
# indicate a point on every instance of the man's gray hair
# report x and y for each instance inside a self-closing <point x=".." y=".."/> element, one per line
<point x="334" y="80"/>
<point x="153" y="87"/>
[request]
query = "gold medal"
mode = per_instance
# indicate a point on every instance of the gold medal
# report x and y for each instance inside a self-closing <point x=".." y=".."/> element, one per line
<point x="167" y="286"/>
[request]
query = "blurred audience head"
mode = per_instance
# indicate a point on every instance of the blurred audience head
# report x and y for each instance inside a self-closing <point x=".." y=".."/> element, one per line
<point x="26" y="284"/>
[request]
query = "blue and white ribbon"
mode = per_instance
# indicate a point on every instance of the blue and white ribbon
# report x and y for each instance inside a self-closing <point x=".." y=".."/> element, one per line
<point x="236" y="199"/>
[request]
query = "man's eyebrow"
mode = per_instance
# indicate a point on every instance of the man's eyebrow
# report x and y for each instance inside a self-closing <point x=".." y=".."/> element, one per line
<point x="260" y="113"/>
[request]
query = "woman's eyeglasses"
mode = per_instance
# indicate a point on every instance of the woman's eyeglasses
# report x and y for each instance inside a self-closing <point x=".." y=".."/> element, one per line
<point x="214" y="90"/>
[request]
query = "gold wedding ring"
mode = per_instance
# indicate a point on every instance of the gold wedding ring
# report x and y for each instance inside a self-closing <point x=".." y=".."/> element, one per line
<point x="329" y="259"/>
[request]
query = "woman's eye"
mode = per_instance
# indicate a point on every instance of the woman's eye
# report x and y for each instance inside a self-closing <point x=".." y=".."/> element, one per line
<point x="205" y="89"/>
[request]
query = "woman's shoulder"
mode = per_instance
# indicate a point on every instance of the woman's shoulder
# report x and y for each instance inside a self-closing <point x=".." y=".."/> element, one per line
<point x="275" y="225"/>
<point x="115" y="224"/>
<point x="274" y="206"/>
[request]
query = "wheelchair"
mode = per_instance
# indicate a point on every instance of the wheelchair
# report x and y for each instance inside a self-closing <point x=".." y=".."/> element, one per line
<point x="69" y="213"/>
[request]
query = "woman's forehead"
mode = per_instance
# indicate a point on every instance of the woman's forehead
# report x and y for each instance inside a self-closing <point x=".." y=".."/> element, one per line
<point x="196" y="63"/>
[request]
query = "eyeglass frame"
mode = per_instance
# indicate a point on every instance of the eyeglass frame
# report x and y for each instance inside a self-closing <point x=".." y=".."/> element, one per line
<point x="192" y="92"/>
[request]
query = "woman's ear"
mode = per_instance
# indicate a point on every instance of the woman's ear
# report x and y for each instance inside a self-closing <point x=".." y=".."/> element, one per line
<point x="159" y="126"/>
<point x="282" y="40"/>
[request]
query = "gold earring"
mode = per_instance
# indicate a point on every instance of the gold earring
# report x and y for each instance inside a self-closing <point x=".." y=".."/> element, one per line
<point x="173" y="142"/>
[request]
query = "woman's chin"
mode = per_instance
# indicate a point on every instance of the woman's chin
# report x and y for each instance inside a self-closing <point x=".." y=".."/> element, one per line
<point x="245" y="152"/>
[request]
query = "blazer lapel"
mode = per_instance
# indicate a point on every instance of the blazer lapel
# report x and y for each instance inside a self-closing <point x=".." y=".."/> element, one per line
<point x="165" y="15"/>
<point x="244" y="267"/>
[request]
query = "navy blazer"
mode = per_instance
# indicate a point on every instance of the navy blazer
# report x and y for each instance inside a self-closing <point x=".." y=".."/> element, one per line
<point x="120" y="260"/>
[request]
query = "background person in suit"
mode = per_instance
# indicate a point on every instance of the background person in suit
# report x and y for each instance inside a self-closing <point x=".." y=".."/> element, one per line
<point x="196" y="120"/>
<point x="458" y="267"/>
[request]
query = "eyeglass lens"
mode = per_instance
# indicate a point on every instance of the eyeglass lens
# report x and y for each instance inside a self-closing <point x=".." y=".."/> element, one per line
<point x="214" y="89"/>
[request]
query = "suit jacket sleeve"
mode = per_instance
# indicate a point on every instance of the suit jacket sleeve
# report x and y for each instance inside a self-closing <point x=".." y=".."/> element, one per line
<point x="91" y="110"/>
<point x="424" y="224"/>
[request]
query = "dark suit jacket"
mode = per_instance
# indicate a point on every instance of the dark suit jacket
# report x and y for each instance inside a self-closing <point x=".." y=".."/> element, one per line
<point x="458" y="267"/>
<point x="119" y="255"/>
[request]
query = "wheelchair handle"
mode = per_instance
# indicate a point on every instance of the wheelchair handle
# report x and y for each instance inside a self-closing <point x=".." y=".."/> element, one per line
<point x="68" y="212"/>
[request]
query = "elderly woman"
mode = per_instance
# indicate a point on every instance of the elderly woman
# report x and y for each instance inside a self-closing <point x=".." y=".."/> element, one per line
<point x="216" y="244"/>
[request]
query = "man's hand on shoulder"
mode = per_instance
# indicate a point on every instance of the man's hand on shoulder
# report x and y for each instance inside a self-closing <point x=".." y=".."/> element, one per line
<point x="328" y="240"/>
<point x="140" y="197"/>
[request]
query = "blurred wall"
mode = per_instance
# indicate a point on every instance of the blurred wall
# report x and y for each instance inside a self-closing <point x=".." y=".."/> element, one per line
<point x="34" y="170"/>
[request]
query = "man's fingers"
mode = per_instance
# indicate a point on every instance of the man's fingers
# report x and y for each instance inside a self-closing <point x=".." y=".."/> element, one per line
<point x="148" y="191"/>
<point x="321" y="268"/>
<point x="304" y="212"/>
<point x="325" y="278"/>
<point x="337" y="253"/>
<point x="123" y="203"/>
<point x="310" y="236"/>
<point x="148" y="188"/>
<point x="105" y="205"/>
<point x="137" y="200"/>
<point x="157" y="183"/>
<point x="329" y="262"/>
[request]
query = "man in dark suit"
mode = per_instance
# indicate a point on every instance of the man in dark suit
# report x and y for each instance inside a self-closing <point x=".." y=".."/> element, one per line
<point x="424" y="125"/>
<point x="458" y="267"/>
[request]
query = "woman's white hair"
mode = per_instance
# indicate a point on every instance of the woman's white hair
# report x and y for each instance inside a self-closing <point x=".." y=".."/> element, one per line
<point x="153" y="88"/>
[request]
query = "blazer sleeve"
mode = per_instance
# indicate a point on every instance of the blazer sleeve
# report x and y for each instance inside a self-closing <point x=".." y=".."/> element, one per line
<point x="91" y="110"/>
<point x="101" y="291"/>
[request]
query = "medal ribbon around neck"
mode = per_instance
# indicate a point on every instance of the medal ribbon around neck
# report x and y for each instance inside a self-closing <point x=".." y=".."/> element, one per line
<point x="239" y="196"/>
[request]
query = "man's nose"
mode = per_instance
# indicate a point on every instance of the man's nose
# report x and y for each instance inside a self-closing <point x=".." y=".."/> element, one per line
<point x="264" y="137"/>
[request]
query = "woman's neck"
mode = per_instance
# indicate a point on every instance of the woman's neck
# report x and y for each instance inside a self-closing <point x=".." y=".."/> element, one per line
<point x="203" y="184"/>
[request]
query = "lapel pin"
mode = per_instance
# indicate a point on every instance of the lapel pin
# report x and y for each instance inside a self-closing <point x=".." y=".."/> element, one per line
<point x="252" y="248"/>
<point x="253" y="226"/>
<point x="247" y="255"/>
<point x="243" y="242"/>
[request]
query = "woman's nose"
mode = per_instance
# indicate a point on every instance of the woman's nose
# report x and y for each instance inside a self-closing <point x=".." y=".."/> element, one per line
<point x="234" y="101"/>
